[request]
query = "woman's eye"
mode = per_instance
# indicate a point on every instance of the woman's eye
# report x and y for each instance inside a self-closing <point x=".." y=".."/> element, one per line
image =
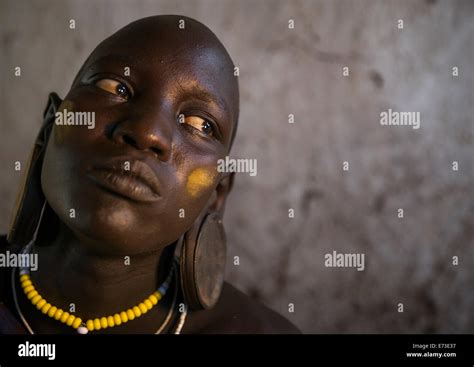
<point x="114" y="87"/>
<point x="199" y="123"/>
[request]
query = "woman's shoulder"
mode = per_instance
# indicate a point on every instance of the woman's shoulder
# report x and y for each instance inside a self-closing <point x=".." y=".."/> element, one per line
<point x="237" y="313"/>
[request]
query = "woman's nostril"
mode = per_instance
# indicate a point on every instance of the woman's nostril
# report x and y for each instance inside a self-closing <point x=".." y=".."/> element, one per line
<point x="157" y="151"/>
<point x="130" y="141"/>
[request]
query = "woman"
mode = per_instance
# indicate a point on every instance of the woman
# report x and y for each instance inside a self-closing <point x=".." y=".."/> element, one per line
<point x="108" y="205"/>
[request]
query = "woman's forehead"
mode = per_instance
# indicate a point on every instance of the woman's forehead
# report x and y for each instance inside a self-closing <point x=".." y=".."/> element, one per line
<point x="158" y="50"/>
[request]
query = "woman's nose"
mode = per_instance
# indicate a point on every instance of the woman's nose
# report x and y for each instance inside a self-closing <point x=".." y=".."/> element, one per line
<point x="146" y="131"/>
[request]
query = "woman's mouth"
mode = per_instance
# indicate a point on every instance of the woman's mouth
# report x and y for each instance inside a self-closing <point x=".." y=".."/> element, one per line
<point x="138" y="182"/>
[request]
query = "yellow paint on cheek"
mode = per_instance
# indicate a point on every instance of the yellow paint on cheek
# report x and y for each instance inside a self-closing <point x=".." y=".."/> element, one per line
<point x="200" y="179"/>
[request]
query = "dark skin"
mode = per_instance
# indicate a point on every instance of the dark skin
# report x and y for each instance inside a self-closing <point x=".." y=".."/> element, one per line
<point x="176" y="113"/>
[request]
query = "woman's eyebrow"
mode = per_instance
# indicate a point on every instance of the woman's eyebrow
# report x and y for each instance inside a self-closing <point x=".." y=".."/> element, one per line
<point x="123" y="60"/>
<point x="205" y="96"/>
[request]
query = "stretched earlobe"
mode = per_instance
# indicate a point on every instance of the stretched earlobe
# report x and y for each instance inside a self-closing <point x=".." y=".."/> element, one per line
<point x="30" y="200"/>
<point x="202" y="263"/>
<point x="203" y="252"/>
<point x="54" y="101"/>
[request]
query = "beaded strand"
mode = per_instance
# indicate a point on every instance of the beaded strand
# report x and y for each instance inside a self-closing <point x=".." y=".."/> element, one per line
<point x="92" y="324"/>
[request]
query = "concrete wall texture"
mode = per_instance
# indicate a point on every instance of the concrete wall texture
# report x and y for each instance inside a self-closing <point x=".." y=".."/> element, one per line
<point x="299" y="71"/>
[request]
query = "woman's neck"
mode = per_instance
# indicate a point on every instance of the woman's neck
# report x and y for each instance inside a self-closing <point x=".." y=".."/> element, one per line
<point x="96" y="285"/>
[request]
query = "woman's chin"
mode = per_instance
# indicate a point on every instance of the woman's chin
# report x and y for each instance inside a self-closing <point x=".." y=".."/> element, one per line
<point x="114" y="235"/>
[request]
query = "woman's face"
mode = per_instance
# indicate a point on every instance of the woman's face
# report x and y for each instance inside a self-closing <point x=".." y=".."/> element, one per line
<point x="165" y="102"/>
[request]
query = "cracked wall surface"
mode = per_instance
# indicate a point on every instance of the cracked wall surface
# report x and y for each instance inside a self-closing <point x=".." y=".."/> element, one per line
<point x="299" y="71"/>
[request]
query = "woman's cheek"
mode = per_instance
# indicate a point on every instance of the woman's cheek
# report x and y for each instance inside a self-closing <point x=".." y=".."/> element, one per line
<point x="200" y="181"/>
<point x="63" y="133"/>
<point x="72" y="125"/>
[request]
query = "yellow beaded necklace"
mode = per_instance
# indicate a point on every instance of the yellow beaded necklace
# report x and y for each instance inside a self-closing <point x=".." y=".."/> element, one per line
<point x="92" y="324"/>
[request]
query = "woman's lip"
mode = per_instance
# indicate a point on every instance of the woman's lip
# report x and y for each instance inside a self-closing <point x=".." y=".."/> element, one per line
<point x="123" y="184"/>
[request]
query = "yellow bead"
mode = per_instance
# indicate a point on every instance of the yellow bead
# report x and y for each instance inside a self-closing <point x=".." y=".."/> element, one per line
<point x="153" y="299"/>
<point x="26" y="283"/>
<point x="130" y="314"/>
<point x="148" y="304"/>
<point x="77" y="322"/>
<point x="31" y="294"/>
<point x="90" y="325"/>
<point x="46" y="308"/>
<point x="97" y="324"/>
<point x="143" y="308"/>
<point x="117" y="319"/>
<point x="136" y="311"/>
<point x="110" y="321"/>
<point x="40" y="303"/>
<point x="70" y="320"/>
<point x="103" y="322"/>
<point x="24" y="277"/>
<point x="52" y="311"/>
<point x="36" y="299"/>
<point x="28" y="289"/>
<point x="123" y="316"/>
<point x="58" y="314"/>
<point x="157" y="295"/>
<point x="64" y="317"/>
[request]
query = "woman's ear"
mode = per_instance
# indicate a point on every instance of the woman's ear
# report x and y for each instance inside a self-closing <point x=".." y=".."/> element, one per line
<point x="203" y="251"/>
<point x="30" y="199"/>
<point x="219" y="196"/>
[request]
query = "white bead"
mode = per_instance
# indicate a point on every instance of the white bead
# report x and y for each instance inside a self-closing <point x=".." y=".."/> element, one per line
<point x="24" y="272"/>
<point x="82" y="330"/>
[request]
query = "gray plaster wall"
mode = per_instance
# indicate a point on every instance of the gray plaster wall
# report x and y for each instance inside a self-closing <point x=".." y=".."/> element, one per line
<point x="299" y="71"/>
